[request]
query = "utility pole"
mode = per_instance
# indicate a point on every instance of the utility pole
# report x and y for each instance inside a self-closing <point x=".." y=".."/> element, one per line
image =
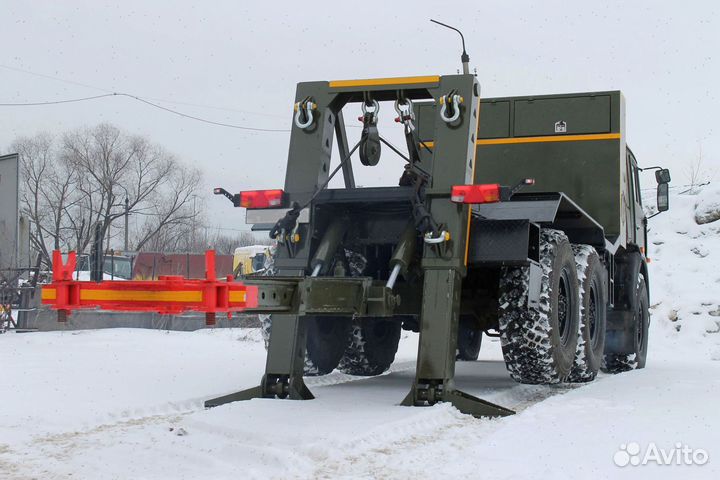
<point x="194" y="225"/>
<point x="127" y="209"/>
<point x="96" y="255"/>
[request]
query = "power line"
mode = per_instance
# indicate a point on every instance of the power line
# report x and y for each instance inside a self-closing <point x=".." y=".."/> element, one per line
<point x="211" y="122"/>
<point x="106" y="90"/>
<point x="55" y="102"/>
<point x="147" y="102"/>
<point x="50" y="77"/>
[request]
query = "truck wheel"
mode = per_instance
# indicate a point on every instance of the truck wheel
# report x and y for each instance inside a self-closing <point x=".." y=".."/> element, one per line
<point x="373" y="344"/>
<point x="593" y="310"/>
<point x="327" y="338"/>
<point x="622" y="362"/>
<point x="539" y="342"/>
<point x="468" y="342"/>
<point x="265" y="326"/>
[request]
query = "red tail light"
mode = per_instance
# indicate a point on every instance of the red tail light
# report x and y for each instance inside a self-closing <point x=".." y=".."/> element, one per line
<point x="487" y="193"/>
<point x="262" y="199"/>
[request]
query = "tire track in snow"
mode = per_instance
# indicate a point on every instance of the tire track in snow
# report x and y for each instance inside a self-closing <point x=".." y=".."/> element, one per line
<point x="59" y="446"/>
<point x="329" y="458"/>
<point x="365" y="454"/>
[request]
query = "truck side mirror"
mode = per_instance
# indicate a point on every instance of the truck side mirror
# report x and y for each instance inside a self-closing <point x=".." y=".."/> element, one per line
<point x="662" y="175"/>
<point x="663" y="198"/>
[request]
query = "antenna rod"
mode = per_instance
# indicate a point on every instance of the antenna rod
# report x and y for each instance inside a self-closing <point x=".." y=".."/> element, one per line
<point x="464" y="58"/>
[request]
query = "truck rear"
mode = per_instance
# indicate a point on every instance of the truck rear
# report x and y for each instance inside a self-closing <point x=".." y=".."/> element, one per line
<point x="518" y="217"/>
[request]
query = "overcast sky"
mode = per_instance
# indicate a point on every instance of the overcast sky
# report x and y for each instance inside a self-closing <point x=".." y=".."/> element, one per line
<point x="237" y="63"/>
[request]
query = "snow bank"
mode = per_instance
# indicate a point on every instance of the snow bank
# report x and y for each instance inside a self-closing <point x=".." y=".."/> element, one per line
<point x="707" y="209"/>
<point x="684" y="273"/>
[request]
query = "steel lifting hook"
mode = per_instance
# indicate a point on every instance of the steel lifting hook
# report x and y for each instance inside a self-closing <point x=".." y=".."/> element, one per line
<point x="454" y="100"/>
<point x="307" y="107"/>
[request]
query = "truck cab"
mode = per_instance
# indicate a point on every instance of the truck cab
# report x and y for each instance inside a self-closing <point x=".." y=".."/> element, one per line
<point x="115" y="267"/>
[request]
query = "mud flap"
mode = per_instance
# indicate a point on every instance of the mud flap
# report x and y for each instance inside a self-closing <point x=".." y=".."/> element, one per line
<point x="534" y="284"/>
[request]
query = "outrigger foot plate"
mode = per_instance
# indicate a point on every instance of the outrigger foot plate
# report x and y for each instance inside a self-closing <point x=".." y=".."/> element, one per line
<point x="272" y="386"/>
<point x="464" y="402"/>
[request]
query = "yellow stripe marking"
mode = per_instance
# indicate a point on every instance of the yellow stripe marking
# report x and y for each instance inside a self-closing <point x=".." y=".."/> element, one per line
<point x="376" y="82"/>
<point x="142" y="296"/>
<point x="237" y="296"/>
<point x="550" y="138"/>
<point x="48" y="294"/>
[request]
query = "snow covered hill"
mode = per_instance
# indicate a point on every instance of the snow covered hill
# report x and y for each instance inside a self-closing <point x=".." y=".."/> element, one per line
<point x="127" y="403"/>
<point x="685" y="266"/>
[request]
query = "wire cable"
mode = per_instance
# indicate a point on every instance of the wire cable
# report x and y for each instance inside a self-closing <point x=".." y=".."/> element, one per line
<point x="330" y="177"/>
<point x="55" y="102"/>
<point x="395" y="149"/>
<point x="199" y="119"/>
<point x="147" y="102"/>
<point x="164" y="100"/>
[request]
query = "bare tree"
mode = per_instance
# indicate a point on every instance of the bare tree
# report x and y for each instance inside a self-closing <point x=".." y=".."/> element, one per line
<point x="696" y="172"/>
<point x="170" y="217"/>
<point x="46" y="192"/>
<point x="83" y="180"/>
<point x="226" y="244"/>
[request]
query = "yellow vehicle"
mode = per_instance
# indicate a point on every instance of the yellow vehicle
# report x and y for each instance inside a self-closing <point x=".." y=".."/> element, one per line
<point x="250" y="259"/>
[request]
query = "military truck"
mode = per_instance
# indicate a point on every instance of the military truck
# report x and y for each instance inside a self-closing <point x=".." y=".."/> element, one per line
<point x="519" y="217"/>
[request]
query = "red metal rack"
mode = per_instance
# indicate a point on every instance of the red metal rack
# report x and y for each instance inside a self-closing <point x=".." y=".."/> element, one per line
<point x="167" y="295"/>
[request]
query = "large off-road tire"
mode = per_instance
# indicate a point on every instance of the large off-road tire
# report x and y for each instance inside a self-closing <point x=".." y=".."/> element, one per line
<point x="327" y="339"/>
<point x="592" y="279"/>
<point x="373" y="345"/>
<point x="636" y="335"/>
<point x="469" y="341"/>
<point x="265" y="326"/>
<point x="539" y="342"/>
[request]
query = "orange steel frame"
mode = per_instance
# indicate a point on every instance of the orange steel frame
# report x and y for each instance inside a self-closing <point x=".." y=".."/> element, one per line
<point x="167" y="295"/>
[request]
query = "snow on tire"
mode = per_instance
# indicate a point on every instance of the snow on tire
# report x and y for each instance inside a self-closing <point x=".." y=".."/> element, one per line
<point x="623" y="362"/>
<point x="268" y="271"/>
<point x="373" y="345"/>
<point x="265" y="326"/>
<point x="539" y="342"/>
<point x="592" y="302"/>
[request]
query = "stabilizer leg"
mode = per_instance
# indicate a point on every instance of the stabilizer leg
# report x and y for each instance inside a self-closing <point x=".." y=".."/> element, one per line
<point x="434" y="377"/>
<point x="284" y="368"/>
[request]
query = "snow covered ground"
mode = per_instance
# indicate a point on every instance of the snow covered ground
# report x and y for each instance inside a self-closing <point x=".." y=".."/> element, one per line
<point x="126" y="403"/>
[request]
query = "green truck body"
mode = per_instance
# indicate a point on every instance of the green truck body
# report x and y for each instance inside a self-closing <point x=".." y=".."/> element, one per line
<point x="355" y="265"/>
<point x="570" y="143"/>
